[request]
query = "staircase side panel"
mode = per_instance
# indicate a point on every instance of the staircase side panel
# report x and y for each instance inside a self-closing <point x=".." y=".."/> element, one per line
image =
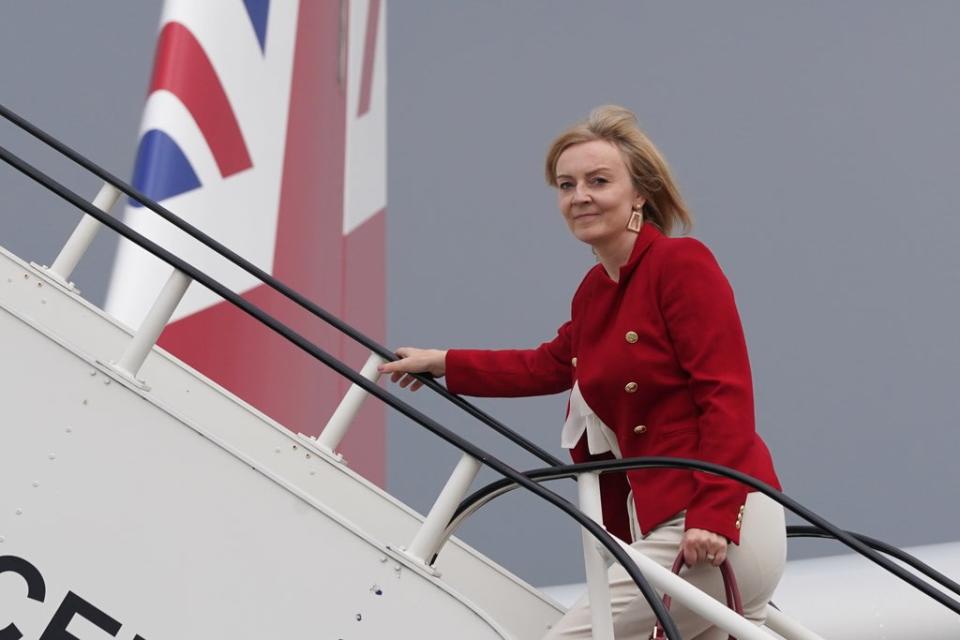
<point x="220" y="417"/>
<point x="116" y="501"/>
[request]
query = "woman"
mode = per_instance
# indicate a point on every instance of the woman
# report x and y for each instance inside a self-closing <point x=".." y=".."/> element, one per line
<point x="656" y="358"/>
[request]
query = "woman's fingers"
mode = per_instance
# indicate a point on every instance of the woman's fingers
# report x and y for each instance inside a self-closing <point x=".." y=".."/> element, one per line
<point x="690" y="556"/>
<point x="699" y="545"/>
<point x="397" y="366"/>
<point x="410" y="381"/>
<point x="720" y="556"/>
<point x="412" y="360"/>
<point x="404" y="379"/>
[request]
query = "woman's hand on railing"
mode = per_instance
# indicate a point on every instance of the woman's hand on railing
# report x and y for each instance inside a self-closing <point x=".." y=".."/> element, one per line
<point x="413" y="360"/>
<point x="700" y="545"/>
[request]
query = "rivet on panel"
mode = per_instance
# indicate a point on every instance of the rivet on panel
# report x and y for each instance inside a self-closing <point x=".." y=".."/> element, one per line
<point x="277" y="450"/>
<point x="2" y="539"/>
<point x="19" y="512"/>
<point x="35" y="484"/>
<point x="52" y="456"/>
<point x="308" y="456"/>
<point x="313" y="473"/>
<point x="93" y="372"/>
<point x="26" y="276"/>
<point x="106" y="381"/>
<point x="39" y="284"/>
<point x="294" y="447"/>
<point x="84" y="401"/>
<point x="359" y="617"/>
<point x="69" y="429"/>
<point x="43" y="301"/>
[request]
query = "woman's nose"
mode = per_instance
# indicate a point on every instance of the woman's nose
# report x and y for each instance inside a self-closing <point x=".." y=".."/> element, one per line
<point x="581" y="194"/>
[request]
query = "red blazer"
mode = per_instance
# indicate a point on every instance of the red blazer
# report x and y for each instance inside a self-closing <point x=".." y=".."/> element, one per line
<point x="660" y="357"/>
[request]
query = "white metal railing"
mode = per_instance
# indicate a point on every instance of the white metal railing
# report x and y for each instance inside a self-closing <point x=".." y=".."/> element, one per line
<point x="81" y="238"/>
<point x="136" y="352"/>
<point x="594" y="558"/>
<point x="152" y="326"/>
<point x="339" y="423"/>
<point x="429" y="537"/>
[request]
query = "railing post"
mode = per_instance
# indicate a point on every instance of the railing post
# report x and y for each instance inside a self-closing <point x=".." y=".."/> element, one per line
<point x="427" y="540"/>
<point x="339" y="423"/>
<point x="82" y="237"/>
<point x="598" y="588"/>
<point x="152" y="325"/>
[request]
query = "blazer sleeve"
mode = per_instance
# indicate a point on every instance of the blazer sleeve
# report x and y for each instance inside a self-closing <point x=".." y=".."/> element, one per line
<point x="506" y="373"/>
<point x="703" y="324"/>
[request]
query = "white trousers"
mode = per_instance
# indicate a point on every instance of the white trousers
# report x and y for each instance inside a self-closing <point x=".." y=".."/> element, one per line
<point x="757" y="562"/>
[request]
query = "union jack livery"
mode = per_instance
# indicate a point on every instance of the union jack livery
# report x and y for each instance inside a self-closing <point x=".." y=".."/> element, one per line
<point x="265" y="126"/>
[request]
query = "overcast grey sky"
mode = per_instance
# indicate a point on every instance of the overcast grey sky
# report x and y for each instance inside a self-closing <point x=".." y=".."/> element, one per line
<point x="816" y="144"/>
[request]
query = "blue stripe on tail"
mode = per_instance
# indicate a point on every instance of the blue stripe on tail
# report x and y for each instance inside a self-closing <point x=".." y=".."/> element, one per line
<point x="162" y="169"/>
<point x="258" y="11"/>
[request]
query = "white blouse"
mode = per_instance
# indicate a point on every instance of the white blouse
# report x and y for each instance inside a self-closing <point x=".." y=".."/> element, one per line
<point x="600" y="437"/>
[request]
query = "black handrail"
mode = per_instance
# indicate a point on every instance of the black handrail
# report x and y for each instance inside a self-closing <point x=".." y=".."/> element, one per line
<point x="800" y="531"/>
<point x="497" y="488"/>
<point x="273" y="282"/>
<point x="860" y="544"/>
<point x="372" y="388"/>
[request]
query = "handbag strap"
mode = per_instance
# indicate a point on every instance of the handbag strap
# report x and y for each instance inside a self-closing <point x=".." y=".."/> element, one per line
<point x="729" y="586"/>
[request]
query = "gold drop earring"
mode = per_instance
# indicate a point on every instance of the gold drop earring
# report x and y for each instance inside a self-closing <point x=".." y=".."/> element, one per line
<point x="636" y="218"/>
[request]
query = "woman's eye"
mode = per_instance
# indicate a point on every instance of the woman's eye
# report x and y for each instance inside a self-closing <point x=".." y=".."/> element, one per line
<point x="563" y="186"/>
<point x="599" y="180"/>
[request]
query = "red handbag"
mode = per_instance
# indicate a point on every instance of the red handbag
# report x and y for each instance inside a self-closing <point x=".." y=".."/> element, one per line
<point x="729" y="585"/>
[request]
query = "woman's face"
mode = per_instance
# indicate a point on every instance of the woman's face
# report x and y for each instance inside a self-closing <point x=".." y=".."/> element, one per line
<point x="596" y="194"/>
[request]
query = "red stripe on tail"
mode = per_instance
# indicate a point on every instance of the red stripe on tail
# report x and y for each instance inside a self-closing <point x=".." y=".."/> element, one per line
<point x="183" y="68"/>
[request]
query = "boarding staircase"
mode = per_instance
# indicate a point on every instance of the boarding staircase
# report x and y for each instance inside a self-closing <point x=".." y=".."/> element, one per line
<point x="142" y="500"/>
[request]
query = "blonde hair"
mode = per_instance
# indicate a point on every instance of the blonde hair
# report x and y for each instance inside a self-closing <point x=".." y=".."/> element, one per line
<point x="651" y="176"/>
